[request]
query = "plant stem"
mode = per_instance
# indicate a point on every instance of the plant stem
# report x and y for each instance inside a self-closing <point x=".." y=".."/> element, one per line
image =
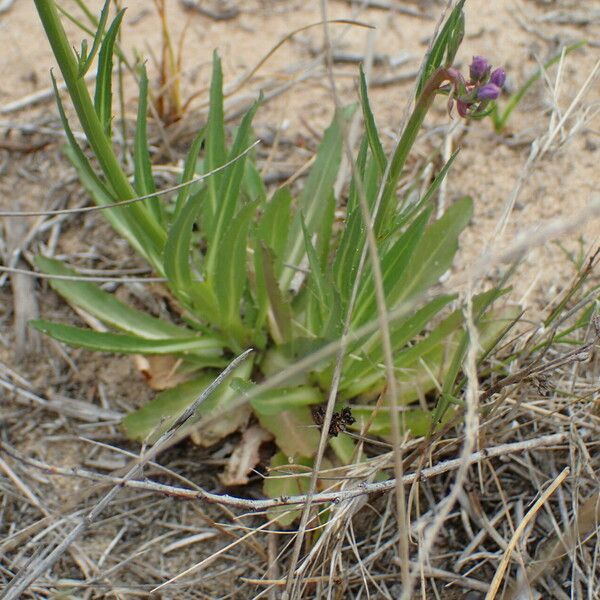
<point x="407" y="141"/>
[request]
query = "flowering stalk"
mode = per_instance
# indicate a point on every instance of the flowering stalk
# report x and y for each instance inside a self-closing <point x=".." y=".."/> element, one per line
<point x="473" y="101"/>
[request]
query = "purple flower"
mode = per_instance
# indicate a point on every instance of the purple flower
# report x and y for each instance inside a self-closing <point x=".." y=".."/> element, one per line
<point x="498" y="77"/>
<point x="479" y="68"/>
<point x="489" y="91"/>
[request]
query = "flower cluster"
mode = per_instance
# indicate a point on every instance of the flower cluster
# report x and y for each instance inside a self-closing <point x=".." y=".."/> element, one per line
<point x="473" y="96"/>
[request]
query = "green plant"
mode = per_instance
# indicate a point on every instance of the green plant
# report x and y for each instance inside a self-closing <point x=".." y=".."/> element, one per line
<point x="274" y="272"/>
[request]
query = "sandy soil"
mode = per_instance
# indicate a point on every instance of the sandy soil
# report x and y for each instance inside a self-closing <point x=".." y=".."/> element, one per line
<point x="34" y="175"/>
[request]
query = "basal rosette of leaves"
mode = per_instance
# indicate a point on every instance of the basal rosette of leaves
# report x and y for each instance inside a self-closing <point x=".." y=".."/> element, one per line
<point x="248" y="268"/>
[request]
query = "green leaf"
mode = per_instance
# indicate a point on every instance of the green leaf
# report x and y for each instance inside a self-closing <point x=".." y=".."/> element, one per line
<point x="105" y="306"/>
<point x="435" y="252"/>
<point x="230" y="277"/>
<point x="215" y="146"/>
<point x="274" y="225"/>
<point x="280" y="315"/>
<point x="101" y="341"/>
<point x="367" y="356"/>
<point x="229" y="191"/>
<point x="442" y="44"/>
<point x="252" y="183"/>
<point x="394" y="262"/>
<point x="189" y="170"/>
<point x="143" y="180"/>
<point x="117" y="217"/>
<point x="319" y="300"/>
<point x="159" y="414"/>
<point x="416" y="420"/>
<point x="85" y="59"/>
<point x="317" y="189"/>
<point x="277" y="400"/>
<point x="103" y="95"/>
<point x="370" y="125"/>
<point x="409" y="213"/>
<point x="177" y="249"/>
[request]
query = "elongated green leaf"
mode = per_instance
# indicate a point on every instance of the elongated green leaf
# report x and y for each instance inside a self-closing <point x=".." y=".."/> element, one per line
<point x="416" y="420"/>
<point x="150" y="235"/>
<point x="215" y="146"/>
<point x="189" y="170"/>
<point x="435" y="252"/>
<point x="105" y="306"/>
<point x="230" y="275"/>
<point x="440" y="46"/>
<point x="159" y="414"/>
<point x="370" y="126"/>
<point x="177" y="248"/>
<point x="117" y="217"/>
<point x="229" y="190"/>
<point x="85" y="59"/>
<point x="316" y="191"/>
<point x="274" y="225"/>
<point x="274" y="401"/>
<point x="103" y="95"/>
<point x="280" y="315"/>
<point x="129" y="344"/>
<point x="394" y="263"/>
<point x="143" y="180"/>
<point x="367" y="356"/>
<point x="253" y="186"/>
<point x="319" y="300"/>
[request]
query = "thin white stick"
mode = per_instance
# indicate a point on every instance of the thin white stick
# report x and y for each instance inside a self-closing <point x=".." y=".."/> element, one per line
<point x="441" y="468"/>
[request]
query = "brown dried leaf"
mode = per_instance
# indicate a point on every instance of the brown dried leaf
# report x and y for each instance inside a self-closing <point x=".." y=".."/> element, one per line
<point x="245" y="457"/>
<point x="159" y="371"/>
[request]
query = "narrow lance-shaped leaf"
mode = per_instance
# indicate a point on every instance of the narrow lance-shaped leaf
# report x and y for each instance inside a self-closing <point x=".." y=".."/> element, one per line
<point x="318" y="298"/>
<point x="230" y="274"/>
<point x="120" y="218"/>
<point x="105" y="306"/>
<point x="154" y="235"/>
<point x="274" y="225"/>
<point x="229" y="190"/>
<point x="103" y="95"/>
<point x="312" y="201"/>
<point x="189" y="170"/>
<point x="436" y="251"/>
<point x="85" y="59"/>
<point x="215" y="146"/>
<point x="129" y="344"/>
<point x="370" y="125"/>
<point x="160" y="413"/>
<point x="439" y="48"/>
<point x="177" y="248"/>
<point x="143" y="179"/>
